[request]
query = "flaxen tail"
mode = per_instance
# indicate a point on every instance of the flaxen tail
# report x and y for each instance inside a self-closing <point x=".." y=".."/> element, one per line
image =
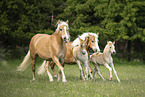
<point x="26" y="62"/>
<point x="41" y="69"/>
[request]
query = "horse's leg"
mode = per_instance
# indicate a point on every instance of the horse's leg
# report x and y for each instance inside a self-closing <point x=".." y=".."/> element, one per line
<point x="90" y="68"/>
<point x="110" y="69"/>
<point x="33" y="68"/>
<point x="115" y="72"/>
<point x="52" y="68"/>
<point x="59" y="70"/>
<point x="81" y="69"/>
<point x="94" y="71"/>
<point x="87" y="69"/>
<point x="56" y="60"/>
<point x="47" y="69"/>
<point x="97" y="68"/>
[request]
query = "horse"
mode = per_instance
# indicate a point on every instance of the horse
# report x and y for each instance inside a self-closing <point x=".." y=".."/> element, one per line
<point x="48" y="47"/>
<point x="106" y="59"/>
<point x="92" y="43"/>
<point x="80" y="54"/>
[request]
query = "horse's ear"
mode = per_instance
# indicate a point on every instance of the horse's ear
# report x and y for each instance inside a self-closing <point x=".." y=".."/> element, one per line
<point x="80" y="39"/>
<point x="97" y="33"/>
<point x="107" y="42"/>
<point x="86" y="39"/>
<point x="58" y="22"/>
<point x="113" y="42"/>
<point x="67" y="21"/>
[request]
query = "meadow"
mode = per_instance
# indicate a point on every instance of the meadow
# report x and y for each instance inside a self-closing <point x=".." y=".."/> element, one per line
<point x="19" y="84"/>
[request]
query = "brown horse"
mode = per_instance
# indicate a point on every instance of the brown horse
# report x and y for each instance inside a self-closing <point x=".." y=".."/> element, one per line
<point x="48" y="47"/>
<point x="91" y="43"/>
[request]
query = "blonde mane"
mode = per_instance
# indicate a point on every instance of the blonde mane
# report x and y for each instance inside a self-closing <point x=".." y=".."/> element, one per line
<point x="60" y="24"/>
<point x="76" y="42"/>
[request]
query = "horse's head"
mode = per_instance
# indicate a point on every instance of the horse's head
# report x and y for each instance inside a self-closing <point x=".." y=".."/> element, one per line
<point x="83" y="45"/>
<point x="111" y="47"/>
<point x="93" y="43"/>
<point x="63" y="29"/>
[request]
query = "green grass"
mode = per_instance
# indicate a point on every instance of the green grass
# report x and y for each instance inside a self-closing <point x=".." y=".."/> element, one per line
<point x="18" y="84"/>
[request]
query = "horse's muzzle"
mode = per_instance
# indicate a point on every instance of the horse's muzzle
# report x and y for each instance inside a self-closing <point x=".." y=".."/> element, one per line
<point x="66" y="40"/>
<point x="83" y="52"/>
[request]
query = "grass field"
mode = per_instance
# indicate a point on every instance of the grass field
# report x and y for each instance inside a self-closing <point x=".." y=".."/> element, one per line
<point x="18" y="84"/>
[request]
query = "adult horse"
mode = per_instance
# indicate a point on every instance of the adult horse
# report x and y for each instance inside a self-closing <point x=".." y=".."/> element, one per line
<point x="48" y="47"/>
<point x="92" y="43"/>
<point x="106" y="59"/>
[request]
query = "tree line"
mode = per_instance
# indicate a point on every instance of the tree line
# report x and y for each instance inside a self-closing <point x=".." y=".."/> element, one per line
<point x="122" y="21"/>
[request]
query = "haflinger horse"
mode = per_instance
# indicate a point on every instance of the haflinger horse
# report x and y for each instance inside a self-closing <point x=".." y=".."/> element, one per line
<point x="81" y="56"/>
<point x="48" y="47"/>
<point x="92" y="43"/>
<point x="106" y="59"/>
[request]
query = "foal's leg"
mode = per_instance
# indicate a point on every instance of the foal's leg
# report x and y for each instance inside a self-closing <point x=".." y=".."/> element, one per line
<point x="56" y="60"/>
<point x="47" y="69"/>
<point x="86" y="69"/>
<point x="115" y="72"/>
<point x="110" y="69"/>
<point x="94" y="71"/>
<point x="97" y="68"/>
<point x="81" y="69"/>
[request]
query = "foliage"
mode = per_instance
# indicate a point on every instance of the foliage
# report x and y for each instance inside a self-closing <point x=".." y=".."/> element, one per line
<point x="119" y="20"/>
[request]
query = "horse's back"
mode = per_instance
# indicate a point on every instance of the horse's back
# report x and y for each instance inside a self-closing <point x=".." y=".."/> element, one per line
<point x="40" y="44"/>
<point x="97" y="58"/>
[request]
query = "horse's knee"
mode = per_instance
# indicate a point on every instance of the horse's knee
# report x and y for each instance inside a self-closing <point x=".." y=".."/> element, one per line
<point x="33" y="68"/>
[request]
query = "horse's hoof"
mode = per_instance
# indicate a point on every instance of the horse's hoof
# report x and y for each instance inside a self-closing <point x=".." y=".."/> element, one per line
<point x="33" y="79"/>
<point x="55" y="75"/>
<point x="84" y="79"/>
<point x="64" y="80"/>
<point x="51" y="80"/>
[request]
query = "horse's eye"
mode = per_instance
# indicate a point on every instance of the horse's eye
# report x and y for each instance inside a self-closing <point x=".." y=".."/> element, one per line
<point x="60" y="29"/>
<point x="81" y="46"/>
<point x="92" y="41"/>
<point x="110" y="47"/>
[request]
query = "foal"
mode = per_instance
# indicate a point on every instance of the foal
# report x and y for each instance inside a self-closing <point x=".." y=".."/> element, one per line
<point x="106" y="59"/>
<point x="80" y="54"/>
<point x="48" y="47"/>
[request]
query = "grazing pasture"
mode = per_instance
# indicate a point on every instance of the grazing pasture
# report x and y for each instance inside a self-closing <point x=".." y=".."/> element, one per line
<point x="19" y="84"/>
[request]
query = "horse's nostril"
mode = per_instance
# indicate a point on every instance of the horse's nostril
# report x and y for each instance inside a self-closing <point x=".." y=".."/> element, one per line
<point x="83" y="53"/>
<point x="64" y="38"/>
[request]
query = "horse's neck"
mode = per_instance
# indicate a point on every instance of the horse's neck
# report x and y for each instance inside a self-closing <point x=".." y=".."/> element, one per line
<point x="87" y="48"/>
<point x="106" y="53"/>
<point x="88" y="45"/>
<point x="58" y="38"/>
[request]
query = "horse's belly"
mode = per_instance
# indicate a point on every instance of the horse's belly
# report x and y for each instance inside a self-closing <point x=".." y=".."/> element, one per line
<point x="44" y="55"/>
